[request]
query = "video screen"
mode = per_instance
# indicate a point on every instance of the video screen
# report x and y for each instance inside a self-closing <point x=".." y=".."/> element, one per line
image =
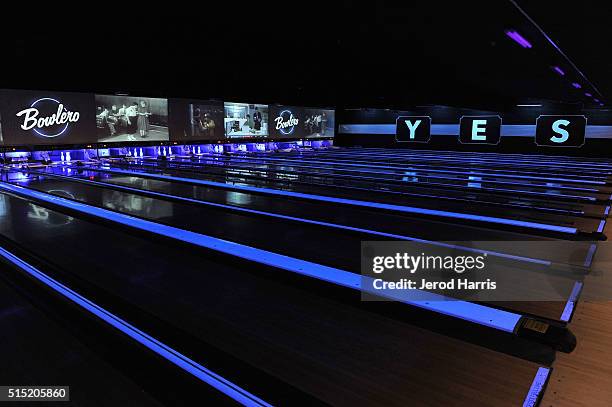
<point x="286" y="122"/>
<point x="319" y="123"/>
<point x="46" y="118"/>
<point x="291" y="122"/>
<point x="193" y="120"/>
<point x="243" y="120"/>
<point x="130" y="118"/>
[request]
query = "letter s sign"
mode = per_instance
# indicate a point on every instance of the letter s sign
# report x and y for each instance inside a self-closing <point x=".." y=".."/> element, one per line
<point x="561" y="130"/>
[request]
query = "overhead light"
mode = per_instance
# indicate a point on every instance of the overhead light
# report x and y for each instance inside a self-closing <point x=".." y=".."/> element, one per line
<point x="558" y="70"/>
<point x="518" y="38"/>
<point x="587" y="94"/>
<point x="529" y="105"/>
<point x="576" y="85"/>
<point x="596" y="100"/>
<point x="121" y="94"/>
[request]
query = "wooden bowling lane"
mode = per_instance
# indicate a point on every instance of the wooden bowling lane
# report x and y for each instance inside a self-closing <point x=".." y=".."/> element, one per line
<point x="316" y="243"/>
<point x="334" y="352"/>
<point x="362" y="218"/>
<point x="41" y="345"/>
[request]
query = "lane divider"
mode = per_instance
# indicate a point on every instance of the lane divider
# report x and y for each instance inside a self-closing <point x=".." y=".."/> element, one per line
<point x="248" y="167"/>
<point x="291" y="218"/>
<point x="334" y="164"/>
<point x="188" y="365"/>
<point x="353" y="202"/>
<point x="475" y="313"/>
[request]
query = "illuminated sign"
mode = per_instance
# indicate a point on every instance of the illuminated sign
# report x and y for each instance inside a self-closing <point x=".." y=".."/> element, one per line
<point x="560" y="130"/>
<point x="35" y="117"/>
<point x="480" y="129"/>
<point x="47" y="117"/>
<point x="413" y="129"/>
<point x="286" y="122"/>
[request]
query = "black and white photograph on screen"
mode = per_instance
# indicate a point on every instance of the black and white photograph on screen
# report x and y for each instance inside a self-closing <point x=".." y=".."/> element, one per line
<point x="318" y="123"/>
<point x="129" y="118"/>
<point x="245" y="120"/>
<point x="196" y="120"/>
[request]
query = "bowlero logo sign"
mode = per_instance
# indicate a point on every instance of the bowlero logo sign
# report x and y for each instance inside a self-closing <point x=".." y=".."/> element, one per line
<point x="285" y="123"/>
<point x="47" y="118"/>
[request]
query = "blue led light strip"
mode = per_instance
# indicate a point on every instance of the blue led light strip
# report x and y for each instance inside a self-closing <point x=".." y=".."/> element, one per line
<point x="330" y="162"/>
<point x="516" y="162"/>
<point x="571" y="302"/>
<point x="479" y="314"/>
<point x="209" y="377"/>
<point x="353" y="202"/>
<point x="537" y="387"/>
<point x="238" y="172"/>
<point x="398" y="173"/>
<point x="292" y="218"/>
<point x="202" y="163"/>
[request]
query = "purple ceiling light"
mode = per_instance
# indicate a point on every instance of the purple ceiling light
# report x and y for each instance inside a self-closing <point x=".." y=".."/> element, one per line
<point x="558" y="70"/>
<point x="518" y="38"/>
<point x="596" y="100"/>
<point x="576" y="85"/>
<point x="587" y="94"/>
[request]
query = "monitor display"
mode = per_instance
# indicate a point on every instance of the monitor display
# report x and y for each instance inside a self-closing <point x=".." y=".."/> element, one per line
<point x="130" y="118"/>
<point x="319" y="122"/>
<point x="244" y="120"/>
<point x="196" y="120"/>
<point x="47" y="118"/>
<point x="286" y="122"/>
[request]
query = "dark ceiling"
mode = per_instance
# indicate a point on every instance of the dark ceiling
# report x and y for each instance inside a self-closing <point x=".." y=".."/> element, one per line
<point x="331" y="53"/>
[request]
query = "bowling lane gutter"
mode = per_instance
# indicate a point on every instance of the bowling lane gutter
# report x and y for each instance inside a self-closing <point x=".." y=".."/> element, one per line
<point x="292" y="218"/>
<point x="463" y="160"/>
<point x="481" y="190"/>
<point x="345" y="201"/>
<point x="557" y="335"/>
<point x="564" y="318"/>
<point x="330" y="164"/>
<point x="183" y="362"/>
<point x="372" y="162"/>
<point x="493" y="318"/>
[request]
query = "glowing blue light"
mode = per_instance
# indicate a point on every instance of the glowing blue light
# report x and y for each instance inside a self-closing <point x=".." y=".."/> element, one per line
<point x="190" y="366"/>
<point x="367" y="204"/>
<point x="479" y="314"/>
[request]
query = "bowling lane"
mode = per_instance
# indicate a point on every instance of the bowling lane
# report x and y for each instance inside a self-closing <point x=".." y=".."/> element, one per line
<point x="549" y="165"/>
<point x="396" y="226"/>
<point x="500" y="178"/>
<point x="463" y="211"/>
<point x="58" y="353"/>
<point x="552" y="201"/>
<point x="321" y="244"/>
<point x="285" y="330"/>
